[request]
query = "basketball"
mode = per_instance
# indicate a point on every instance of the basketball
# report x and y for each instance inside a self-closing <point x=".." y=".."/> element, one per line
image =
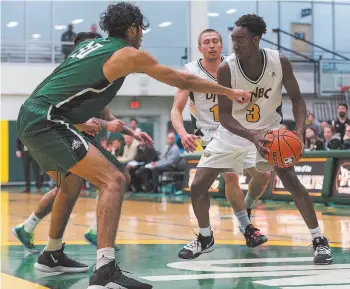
<point x="285" y="148"/>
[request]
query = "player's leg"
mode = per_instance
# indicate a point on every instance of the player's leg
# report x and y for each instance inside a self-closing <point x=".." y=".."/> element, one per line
<point x="235" y="196"/>
<point x="303" y="202"/>
<point x="25" y="232"/>
<point x="98" y="170"/>
<point x="201" y="204"/>
<point x="53" y="258"/>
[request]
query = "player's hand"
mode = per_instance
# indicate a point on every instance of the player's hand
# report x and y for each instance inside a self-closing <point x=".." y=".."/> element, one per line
<point x="240" y="95"/>
<point x="143" y="137"/>
<point x="258" y="139"/>
<point x="189" y="142"/>
<point x="91" y="127"/>
<point x="115" y="125"/>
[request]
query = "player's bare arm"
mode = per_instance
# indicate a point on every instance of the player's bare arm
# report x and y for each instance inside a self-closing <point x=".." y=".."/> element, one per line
<point x="298" y="103"/>
<point x="180" y="101"/>
<point x="130" y="60"/>
<point x="225" y="113"/>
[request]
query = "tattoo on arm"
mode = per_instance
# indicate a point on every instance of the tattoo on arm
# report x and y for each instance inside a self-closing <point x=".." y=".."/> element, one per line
<point x="127" y="131"/>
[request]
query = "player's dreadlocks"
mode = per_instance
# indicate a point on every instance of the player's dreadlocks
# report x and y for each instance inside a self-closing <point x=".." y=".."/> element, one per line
<point x="254" y="23"/>
<point x="119" y="17"/>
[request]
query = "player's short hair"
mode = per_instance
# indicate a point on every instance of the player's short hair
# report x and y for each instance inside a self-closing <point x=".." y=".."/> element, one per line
<point x="254" y="23"/>
<point x="344" y="105"/>
<point x="82" y="36"/>
<point x="208" y="31"/>
<point x="119" y="17"/>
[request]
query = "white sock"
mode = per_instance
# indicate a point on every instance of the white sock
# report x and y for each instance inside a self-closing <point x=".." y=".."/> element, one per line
<point x="94" y="227"/>
<point x="316" y="233"/>
<point x="54" y="244"/>
<point x="31" y="223"/>
<point x="205" y="232"/>
<point x="243" y="219"/>
<point x="249" y="202"/>
<point x="104" y="256"/>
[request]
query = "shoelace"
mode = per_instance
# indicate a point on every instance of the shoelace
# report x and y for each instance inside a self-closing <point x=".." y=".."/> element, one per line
<point x="254" y="232"/>
<point x="323" y="249"/>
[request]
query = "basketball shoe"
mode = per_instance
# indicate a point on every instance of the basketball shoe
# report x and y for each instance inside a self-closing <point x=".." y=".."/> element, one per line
<point x="110" y="276"/>
<point x="198" y="247"/>
<point x="91" y="238"/>
<point x="27" y="239"/>
<point x="253" y="237"/>
<point x="57" y="261"/>
<point x="322" y="252"/>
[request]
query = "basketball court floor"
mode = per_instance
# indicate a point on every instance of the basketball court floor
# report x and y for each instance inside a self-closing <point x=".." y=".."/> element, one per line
<point x="152" y="230"/>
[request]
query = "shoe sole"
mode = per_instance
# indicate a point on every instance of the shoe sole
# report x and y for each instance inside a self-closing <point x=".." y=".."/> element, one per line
<point x="327" y="262"/>
<point x="91" y="243"/>
<point x="59" y="269"/>
<point x="195" y="256"/>
<point x="260" y="242"/>
<point x="112" y="286"/>
<point x="34" y="251"/>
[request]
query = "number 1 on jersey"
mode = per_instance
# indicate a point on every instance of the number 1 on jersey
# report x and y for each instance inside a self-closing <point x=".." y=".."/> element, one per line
<point x="215" y="110"/>
<point x="253" y="113"/>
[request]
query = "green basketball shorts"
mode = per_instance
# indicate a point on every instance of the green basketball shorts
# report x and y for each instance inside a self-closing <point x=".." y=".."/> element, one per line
<point x="52" y="141"/>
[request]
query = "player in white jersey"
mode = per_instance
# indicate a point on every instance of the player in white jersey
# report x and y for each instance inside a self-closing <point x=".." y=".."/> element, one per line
<point x="205" y="117"/>
<point x="243" y="127"/>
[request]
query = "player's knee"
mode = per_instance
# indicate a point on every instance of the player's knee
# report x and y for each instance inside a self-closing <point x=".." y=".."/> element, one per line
<point x="196" y="186"/>
<point x="265" y="178"/>
<point x="231" y="179"/>
<point x="114" y="181"/>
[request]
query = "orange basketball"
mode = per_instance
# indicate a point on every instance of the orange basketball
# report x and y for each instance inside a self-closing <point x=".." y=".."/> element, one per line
<point x="285" y="148"/>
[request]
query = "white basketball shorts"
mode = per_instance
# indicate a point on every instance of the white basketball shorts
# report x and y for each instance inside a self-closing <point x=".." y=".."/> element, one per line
<point x="233" y="153"/>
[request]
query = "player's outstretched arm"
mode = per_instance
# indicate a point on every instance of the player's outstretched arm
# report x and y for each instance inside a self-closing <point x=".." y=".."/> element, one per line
<point x="292" y="87"/>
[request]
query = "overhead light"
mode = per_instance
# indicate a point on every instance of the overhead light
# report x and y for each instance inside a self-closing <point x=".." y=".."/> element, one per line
<point x="231" y="11"/>
<point x="36" y="36"/>
<point x="165" y="24"/>
<point x="146" y="31"/>
<point x="77" y="21"/>
<point x="60" y="27"/>
<point x="213" y="14"/>
<point x="12" y="24"/>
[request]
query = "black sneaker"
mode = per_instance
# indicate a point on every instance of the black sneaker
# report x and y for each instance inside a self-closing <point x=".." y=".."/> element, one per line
<point x="253" y="237"/>
<point x="198" y="247"/>
<point x="322" y="252"/>
<point x="110" y="276"/>
<point x="57" y="261"/>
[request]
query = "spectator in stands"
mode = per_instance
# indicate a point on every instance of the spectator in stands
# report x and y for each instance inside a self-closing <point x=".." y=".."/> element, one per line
<point x="114" y="147"/>
<point x="93" y="30"/>
<point x="342" y="120"/>
<point x="332" y="140"/>
<point x="104" y="142"/>
<point x="323" y="125"/>
<point x="314" y="123"/>
<point x="346" y="138"/>
<point x="68" y="36"/>
<point x="133" y="124"/>
<point x="312" y="141"/>
<point x="130" y="149"/>
<point x="168" y="162"/>
<point x="145" y="154"/>
<point x="27" y="161"/>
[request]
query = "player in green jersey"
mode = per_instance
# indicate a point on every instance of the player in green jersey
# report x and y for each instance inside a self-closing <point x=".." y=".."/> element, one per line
<point x="76" y="91"/>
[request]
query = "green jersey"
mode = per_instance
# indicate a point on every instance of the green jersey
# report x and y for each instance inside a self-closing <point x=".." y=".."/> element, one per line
<point x="77" y="89"/>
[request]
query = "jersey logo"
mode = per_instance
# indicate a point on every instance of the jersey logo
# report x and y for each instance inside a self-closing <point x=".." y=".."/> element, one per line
<point x="76" y="144"/>
<point x="273" y="74"/>
<point x="260" y="92"/>
<point x="212" y="96"/>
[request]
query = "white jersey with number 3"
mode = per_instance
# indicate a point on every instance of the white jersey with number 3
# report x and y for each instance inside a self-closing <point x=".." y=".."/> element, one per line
<point x="203" y="106"/>
<point x="265" y="110"/>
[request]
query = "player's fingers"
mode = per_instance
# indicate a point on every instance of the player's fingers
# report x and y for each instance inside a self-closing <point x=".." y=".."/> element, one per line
<point x="194" y="136"/>
<point x="263" y="150"/>
<point x="191" y="144"/>
<point x="265" y="141"/>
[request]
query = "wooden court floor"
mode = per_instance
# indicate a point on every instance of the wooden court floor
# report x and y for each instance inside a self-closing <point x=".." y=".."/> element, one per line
<point x="154" y="227"/>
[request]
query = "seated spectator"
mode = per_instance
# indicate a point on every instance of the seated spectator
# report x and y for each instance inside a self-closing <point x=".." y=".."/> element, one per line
<point x="332" y="140"/>
<point x="168" y="162"/>
<point x="342" y="120"/>
<point x="93" y="30"/>
<point x="133" y="124"/>
<point x="114" y="147"/>
<point x="130" y="149"/>
<point x="312" y="141"/>
<point x="104" y="143"/>
<point x="314" y="123"/>
<point x="145" y="154"/>
<point x="323" y="125"/>
<point x="346" y="138"/>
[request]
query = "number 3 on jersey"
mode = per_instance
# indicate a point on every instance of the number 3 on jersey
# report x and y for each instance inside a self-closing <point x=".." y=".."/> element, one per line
<point x="215" y="110"/>
<point x="86" y="50"/>
<point x="253" y="113"/>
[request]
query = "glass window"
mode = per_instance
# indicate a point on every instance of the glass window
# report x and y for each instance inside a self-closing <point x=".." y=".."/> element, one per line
<point x="228" y="12"/>
<point x="342" y="35"/>
<point x="12" y="21"/>
<point x="269" y="11"/>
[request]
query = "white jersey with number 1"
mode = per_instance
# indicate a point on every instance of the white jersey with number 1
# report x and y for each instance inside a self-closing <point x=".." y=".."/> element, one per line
<point x="203" y="106"/>
<point x="229" y="151"/>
